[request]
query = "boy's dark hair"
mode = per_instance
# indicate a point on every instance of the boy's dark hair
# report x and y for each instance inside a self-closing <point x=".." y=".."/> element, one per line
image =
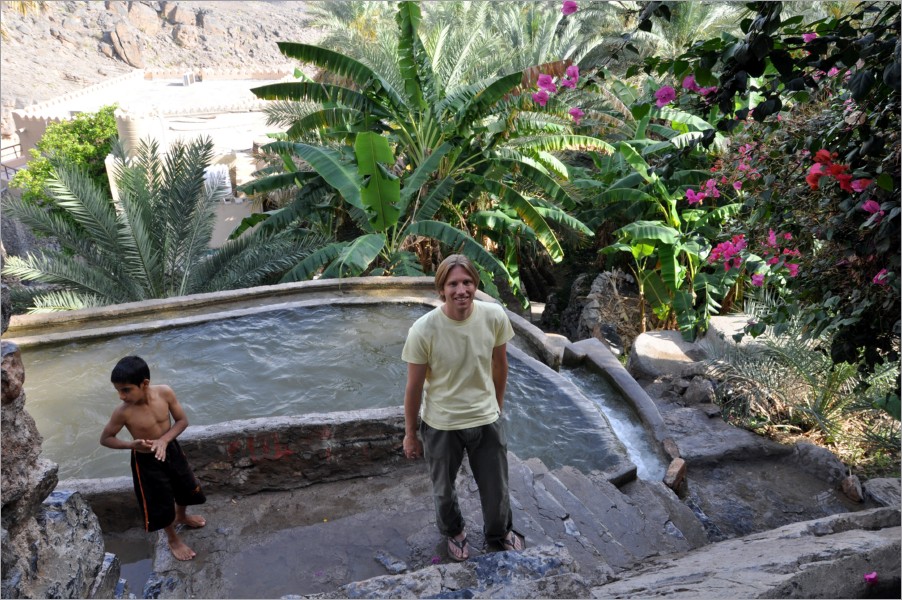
<point x="131" y="369"/>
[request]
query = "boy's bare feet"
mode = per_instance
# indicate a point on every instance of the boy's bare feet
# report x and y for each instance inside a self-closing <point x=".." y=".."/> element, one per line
<point x="193" y="521"/>
<point x="180" y="550"/>
<point x="177" y="546"/>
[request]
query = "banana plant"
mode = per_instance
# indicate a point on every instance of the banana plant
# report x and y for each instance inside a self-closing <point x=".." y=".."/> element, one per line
<point x="459" y="151"/>
<point x="668" y="253"/>
<point x="388" y="214"/>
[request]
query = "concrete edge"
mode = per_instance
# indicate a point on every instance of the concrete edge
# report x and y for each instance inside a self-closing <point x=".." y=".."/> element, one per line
<point x="131" y="310"/>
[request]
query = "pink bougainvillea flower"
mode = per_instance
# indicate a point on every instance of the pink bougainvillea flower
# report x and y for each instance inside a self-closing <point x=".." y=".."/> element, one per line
<point x="773" y="260"/>
<point x="787" y="236"/>
<point x="577" y="114"/>
<point x="757" y="280"/>
<point x="771" y="238"/>
<point x="860" y="185"/>
<point x="880" y="279"/>
<point x="664" y="96"/>
<point x="690" y="84"/>
<point x="737" y="185"/>
<point x="694" y="197"/>
<point x="565" y="82"/>
<point x="540" y="97"/>
<point x="546" y="83"/>
<point x="707" y="90"/>
<point x="573" y="72"/>
<point x="793" y="269"/>
<point x="809" y="37"/>
<point x="871" y="206"/>
<point x="569" y="7"/>
<point x="871" y="578"/>
<point x="833" y="72"/>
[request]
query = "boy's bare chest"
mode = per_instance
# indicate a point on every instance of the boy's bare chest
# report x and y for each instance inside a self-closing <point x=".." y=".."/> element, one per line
<point x="148" y="420"/>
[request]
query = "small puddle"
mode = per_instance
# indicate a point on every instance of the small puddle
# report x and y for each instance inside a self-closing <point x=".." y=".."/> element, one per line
<point x="135" y="551"/>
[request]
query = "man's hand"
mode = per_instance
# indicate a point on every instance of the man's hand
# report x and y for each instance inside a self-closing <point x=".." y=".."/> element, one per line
<point x="412" y="446"/>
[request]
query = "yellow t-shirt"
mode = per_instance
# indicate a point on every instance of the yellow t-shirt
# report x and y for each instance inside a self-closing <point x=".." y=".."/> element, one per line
<point x="459" y="392"/>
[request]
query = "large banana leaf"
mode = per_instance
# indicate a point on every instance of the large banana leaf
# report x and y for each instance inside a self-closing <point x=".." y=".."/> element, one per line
<point x="409" y="47"/>
<point x="671" y="271"/>
<point x="423" y="173"/>
<point x="381" y="194"/>
<point x="330" y="96"/>
<point x="652" y="231"/>
<point x="529" y="214"/>
<point x="559" y="143"/>
<point x="356" y="256"/>
<point x="542" y="180"/>
<point x="334" y="121"/>
<point x="328" y="164"/>
<point x="556" y="215"/>
<point x="280" y="181"/>
<point x="473" y="102"/>
<point x="344" y="66"/>
<point x="434" y="200"/>
<point x="459" y="241"/>
<point x="308" y="267"/>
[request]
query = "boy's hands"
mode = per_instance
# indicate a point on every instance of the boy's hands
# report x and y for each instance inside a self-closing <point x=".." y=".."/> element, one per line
<point x="142" y="445"/>
<point x="158" y="447"/>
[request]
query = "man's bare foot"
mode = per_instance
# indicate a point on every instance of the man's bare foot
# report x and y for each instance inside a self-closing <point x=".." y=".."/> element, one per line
<point x="180" y="550"/>
<point x="193" y="521"/>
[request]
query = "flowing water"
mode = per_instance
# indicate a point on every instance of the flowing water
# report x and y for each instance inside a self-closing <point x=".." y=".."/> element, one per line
<point x="289" y="362"/>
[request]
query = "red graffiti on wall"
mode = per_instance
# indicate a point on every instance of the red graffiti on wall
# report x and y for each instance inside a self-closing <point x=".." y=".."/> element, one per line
<point x="267" y="448"/>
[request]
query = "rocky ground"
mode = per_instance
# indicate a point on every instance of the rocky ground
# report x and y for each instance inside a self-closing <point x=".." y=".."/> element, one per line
<point x="69" y="45"/>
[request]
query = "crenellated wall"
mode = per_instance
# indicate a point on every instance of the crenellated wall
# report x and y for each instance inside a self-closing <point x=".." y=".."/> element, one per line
<point x="31" y="122"/>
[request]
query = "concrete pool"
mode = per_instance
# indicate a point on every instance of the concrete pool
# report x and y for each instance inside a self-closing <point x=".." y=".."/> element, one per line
<point x="289" y="350"/>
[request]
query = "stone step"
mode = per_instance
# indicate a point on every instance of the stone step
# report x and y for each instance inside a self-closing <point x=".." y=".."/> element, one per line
<point x="623" y="518"/>
<point x="676" y="526"/>
<point x="542" y="508"/>
<point x="584" y="522"/>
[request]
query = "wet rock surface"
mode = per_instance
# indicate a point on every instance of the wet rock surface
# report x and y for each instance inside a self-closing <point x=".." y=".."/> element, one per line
<point x="52" y="541"/>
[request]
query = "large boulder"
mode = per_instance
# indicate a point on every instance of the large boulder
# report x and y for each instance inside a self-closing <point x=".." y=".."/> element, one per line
<point x="126" y="45"/>
<point x="51" y="547"/>
<point x="144" y="18"/>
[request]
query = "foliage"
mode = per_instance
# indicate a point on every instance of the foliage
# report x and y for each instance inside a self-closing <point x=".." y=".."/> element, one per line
<point x="789" y="383"/>
<point x="151" y="241"/>
<point x="474" y="160"/>
<point x="831" y="85"/>
<point x="82" y="142"/>
<point x="668" y="251"/>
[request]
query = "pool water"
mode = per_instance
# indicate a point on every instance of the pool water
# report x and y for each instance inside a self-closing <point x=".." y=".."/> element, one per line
<point x="288" y="362"/>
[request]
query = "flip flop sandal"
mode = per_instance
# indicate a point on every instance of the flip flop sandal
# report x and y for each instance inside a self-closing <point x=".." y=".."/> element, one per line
<point x="509" y="543"/>
<point x="461" y="545"/>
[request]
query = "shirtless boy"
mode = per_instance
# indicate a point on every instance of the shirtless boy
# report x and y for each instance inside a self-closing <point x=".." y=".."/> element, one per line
<point x="164" y="483"/>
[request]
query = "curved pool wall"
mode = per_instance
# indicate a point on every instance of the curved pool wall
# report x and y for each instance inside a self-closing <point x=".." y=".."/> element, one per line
<point x="287" y="452"/>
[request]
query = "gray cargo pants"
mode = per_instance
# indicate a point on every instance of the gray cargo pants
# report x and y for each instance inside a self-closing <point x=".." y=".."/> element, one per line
<point x="486" y="447"/>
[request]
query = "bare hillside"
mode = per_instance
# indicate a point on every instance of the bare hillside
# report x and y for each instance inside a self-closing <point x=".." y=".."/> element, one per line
<point x="72" y="44"/>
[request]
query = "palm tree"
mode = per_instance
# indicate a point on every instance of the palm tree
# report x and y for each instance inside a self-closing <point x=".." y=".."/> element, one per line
<point x="151" y="241"/>
<point x="479" y="155"/>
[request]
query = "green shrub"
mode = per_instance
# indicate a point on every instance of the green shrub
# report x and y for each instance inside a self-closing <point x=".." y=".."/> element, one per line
<point x="82" y="142"/>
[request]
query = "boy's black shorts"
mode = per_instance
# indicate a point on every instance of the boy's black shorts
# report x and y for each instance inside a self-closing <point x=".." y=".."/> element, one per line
<point x="161" y="484"/>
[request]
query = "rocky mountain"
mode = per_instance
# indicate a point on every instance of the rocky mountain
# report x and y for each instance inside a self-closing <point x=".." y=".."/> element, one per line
<point x="67" y="45"/>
